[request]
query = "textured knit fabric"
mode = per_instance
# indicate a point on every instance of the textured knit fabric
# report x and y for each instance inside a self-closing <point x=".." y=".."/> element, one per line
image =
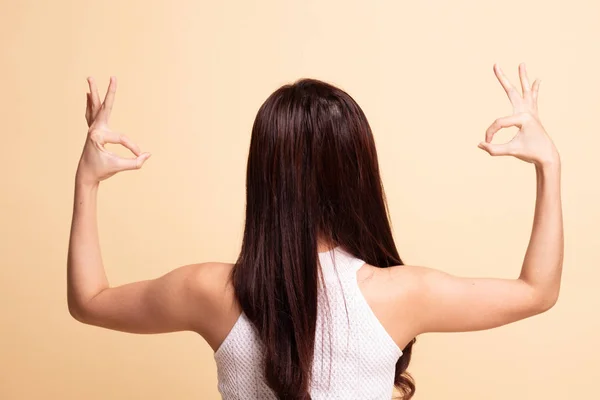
<point x="355" y="358"/>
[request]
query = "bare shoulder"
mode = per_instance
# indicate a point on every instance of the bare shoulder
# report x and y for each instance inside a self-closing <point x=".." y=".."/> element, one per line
<point x="213" y="289"/>
<point x="210" y="277"/>
<point x="392" y="282"/>
<point x="410" y="300"/>
<point x="392" y="293"/>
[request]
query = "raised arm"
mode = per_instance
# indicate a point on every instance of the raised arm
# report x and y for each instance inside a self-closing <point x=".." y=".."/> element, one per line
<point x="443" y="302"/>
<point x="186" y="298"/>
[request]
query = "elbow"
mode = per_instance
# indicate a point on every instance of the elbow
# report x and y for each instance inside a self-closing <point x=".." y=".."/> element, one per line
<point x="546" y="301"/>
<point x="551" y="302"/>
<point x="78" y="311"/>
<point x="541" y="297"/>
<point x="82" y="308"/>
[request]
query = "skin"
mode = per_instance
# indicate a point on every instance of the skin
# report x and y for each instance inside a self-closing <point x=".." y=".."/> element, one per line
<point x="408" y="300"/>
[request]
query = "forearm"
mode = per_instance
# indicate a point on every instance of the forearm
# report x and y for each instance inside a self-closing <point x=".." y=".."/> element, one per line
<point x="85" y="271"/>
<point x="542" y="266"/>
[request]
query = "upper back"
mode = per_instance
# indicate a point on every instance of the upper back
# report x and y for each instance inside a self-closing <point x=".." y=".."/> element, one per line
<point x="353" y="351"/>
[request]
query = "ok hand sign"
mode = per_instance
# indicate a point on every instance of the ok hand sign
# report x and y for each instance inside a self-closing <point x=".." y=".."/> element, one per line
<point x="97" y="163"/>
<point x="531" y="143"/>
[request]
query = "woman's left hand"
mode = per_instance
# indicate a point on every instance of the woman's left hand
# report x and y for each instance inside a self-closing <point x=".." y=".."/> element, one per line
<point x="97" y="163"/>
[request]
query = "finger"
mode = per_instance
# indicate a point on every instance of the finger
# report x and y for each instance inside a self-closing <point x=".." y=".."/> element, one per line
<point x="95" y="96"/>
<point x="125" y="164"/>
<point x="117" y="138"/>
<point x="504" y="149"/>
<point x="524" y="80"/>
<point x="534" y="91"/>
<point x="106" y="108"/>
<point x="88" y="108"/>
<point x="510" y="90"/>
<point x="500" y="123"/>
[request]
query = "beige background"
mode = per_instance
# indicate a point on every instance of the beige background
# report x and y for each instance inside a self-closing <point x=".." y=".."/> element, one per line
<point x="192" y="75"/>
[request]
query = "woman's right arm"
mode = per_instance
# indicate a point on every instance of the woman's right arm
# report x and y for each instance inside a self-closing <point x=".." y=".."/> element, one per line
<point x="446" y="303"/>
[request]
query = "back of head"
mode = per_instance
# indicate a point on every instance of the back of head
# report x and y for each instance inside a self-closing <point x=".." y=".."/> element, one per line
<point x="312" y="174"/>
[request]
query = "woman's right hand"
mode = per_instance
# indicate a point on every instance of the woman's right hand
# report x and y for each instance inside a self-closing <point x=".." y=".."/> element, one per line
<point x="531" y="143"/>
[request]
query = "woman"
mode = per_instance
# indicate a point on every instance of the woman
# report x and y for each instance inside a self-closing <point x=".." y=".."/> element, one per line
<point x="318" y="304"/>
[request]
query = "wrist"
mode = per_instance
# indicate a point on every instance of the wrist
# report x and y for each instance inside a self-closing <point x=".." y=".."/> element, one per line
<point x="83" y="182"/>
<point x="551" y="163"/>
<point x="548" y="172"/>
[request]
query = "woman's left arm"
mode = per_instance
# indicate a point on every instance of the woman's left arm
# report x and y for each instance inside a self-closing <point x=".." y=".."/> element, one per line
<point x="173" y="302"/>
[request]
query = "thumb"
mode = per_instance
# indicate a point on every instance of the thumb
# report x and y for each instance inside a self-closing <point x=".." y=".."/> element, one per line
<point x="503" y="149"/>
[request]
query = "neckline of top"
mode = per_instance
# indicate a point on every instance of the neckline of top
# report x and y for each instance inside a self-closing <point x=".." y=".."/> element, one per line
<point x="336" y="248"/>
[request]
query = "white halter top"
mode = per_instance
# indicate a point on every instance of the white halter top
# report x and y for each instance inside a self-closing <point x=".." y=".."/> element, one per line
<point x="355" y="357"/>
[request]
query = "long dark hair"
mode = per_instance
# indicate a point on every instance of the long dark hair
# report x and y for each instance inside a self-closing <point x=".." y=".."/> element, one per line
<point x="312" y="173"/>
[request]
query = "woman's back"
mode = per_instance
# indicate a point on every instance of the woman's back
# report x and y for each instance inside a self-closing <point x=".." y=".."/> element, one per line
<point x="312" y="179"/>
<point x="354" y="355"/>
